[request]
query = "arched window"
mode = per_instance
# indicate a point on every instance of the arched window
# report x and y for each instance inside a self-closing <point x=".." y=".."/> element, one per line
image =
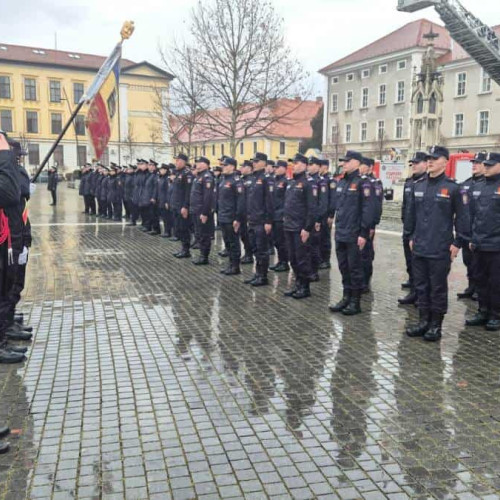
<point x="420" y="104"/>
<point x="432" y="104"/>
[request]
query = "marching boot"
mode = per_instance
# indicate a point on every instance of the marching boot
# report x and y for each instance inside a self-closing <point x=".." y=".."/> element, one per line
<point x="201" y="261"/>
<point x="183" y="254"/>
<point x="295" y="288"/>
<point x="260" y="281"/>
<point x="406" y="284"/>
<point x="433" y="334"/>
<point x="223" y="253"/>
<point x="325" y="265"/>
<point x="343" y="303"/>
<point x="10" y="357"/>
<point x="421" y="327"/>
<point x="467" y="293"/>
<point x="479" y="319"/>
<point x="17" y="332"/>
<point x="196" y="246"/>
<point x="250" y="280"/>
<point x="19" y="318"/>
<point x="493" y="324"/>
<point x="314" y="278"/>
<point x="4" y="447"/>
<point x="233" y="270"/>
<point x="354" y="306"/>
<point x="274" y="266"/>
<point x="411" y="298"/>
<point x="303" y="292"/>
<point x="281" y="267"/>
<point x="247" y="259"/>
<point x="226" y="269"/>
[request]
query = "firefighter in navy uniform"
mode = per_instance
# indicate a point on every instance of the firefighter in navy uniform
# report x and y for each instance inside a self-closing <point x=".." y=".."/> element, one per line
<point x="299" y="218"/>
<point x="260" y="214"/>
<point x="280" y="185"/>
<point x="419" y="172"/>
<point x="181" y="191"/>
<point x="355" y="209"/>
<point x="140" y="178"/>
<point x="231" y="203"/>
<point x="471" y="185"/>
<point x="115" y="196"/>
<point x="326" y="223"/>
<point x="246" y="179"/>
<point x="202" y="205"/>
<point x="163" y="198"/>
<point x="485" y="244"/>
<point x="52" y="181"/>
<point x="437" y="205"/>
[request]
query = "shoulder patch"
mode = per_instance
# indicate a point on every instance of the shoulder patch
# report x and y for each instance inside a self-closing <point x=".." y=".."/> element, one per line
<point x="367" y="192"/>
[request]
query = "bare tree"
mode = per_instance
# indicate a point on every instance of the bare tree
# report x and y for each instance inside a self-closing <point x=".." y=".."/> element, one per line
<point x="241" y="67"/>
<point x="130" y="142"/>
<point x="381" y="144"/>
<point x="155" y="138"/>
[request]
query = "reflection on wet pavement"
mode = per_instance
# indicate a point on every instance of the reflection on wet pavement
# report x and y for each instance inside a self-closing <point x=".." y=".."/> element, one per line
<point x="151" y="379"/>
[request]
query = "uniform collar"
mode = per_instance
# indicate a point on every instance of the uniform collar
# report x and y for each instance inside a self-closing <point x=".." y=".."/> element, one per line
<point x="493" y="178"/>
<point x="438" y="178"/>
<point x="416" y="177"/>
<point x="353" y="174"/>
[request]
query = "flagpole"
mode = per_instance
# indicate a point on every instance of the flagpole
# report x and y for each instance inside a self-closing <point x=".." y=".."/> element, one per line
<point x="119" y="129"/>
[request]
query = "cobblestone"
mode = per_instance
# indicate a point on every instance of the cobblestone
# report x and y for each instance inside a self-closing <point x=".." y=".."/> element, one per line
<point x="148" y="378"/>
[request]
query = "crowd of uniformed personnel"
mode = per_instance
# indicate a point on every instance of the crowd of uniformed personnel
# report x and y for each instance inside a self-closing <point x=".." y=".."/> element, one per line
<point x="259" y="208"/>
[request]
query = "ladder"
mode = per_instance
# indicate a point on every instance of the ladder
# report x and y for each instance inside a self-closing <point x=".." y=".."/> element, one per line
<point x="476" y="38"/>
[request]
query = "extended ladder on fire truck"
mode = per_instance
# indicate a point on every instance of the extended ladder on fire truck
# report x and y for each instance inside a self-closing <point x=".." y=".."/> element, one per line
<point x="476" y="38"/>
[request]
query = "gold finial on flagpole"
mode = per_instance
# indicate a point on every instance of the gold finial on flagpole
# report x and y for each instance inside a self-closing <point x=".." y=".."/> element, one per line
<point x="127" y="30"/>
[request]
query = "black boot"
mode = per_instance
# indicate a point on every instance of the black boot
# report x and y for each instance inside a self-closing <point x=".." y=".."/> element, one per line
<point x="295" y="288"/>
<point x="131" y="224"/>
<point x="223" y="253"/>
<point x="260" y="281"/>
<point x="406" y="284"/>
<point x="233" y="270"/>
<point x="17" y="332"/>
<point x="250" y="280"/>
<point x="9" y="357"/>
<point x="19" y="318"/>
<point x="174" y="238"/>
<point x="354" y="306"/>
<point x="201" y="261"/>
<point x="421" y="327"/>
<point x="467" y="293"/>
<point x="303" y="292"/>
<point x="4" y="431"/>
<point x="4" y="447"/>
<point x="493" y="324"/>
<point x="411" y="298"/>
<point x="196" y="246"/>
<point x="183" y="254"/>
<point x="247" y="259"/>
<point x="325" y="265"/>
<point x="343" y="303"/>
<point x="434" y="332"/>
<point x="281" y="267"/>
<point x="479" y="319"/>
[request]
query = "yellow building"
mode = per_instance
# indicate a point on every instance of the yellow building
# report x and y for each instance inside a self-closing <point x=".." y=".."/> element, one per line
<point x="280" y="141"/>
<point x="40" y="87"/>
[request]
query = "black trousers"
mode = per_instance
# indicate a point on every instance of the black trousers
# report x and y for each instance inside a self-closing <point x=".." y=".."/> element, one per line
<point x="167" y="218"/>
<point x="103" y="207"/>
<point x="134" y="212"/>
<point x="110" y="210"/>
<point x="469" y="261"/>
<point x="203" y="233"/>
<point x="233" y="242"/>
<point x="350" y="266"/>
<point x="259" y="243"/>
<point x="315" y="245"/>
<point x="155" y="217"/>
<point x="279" y="241"/>
<point x="326" y="241"/>
<point x="16" y="281"/>
<point x="126" y="207"/>
<point x="367" y="257"/>
<point x="487" y="274"/>
<point x="300" y="256"/>
<point x="117" y="210"/>
<point x="5" y="308"/>
<point x="408" y="258"/>
<point x="87" y="203"/>
<point x="245" y="239"/>
<point x="430" y="278"/>
<point x="181" y="227"/>
<point x="53" y="192"/>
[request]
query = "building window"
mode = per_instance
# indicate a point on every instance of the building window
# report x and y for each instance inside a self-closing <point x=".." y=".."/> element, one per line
<point x="34" y="154"/>
<point x="348" y="133"/>
<point x="77" y="92"/>
<point x="461" y="84"/>
<point x="349" y="77"/>
<point x="29" y="89"/>
<point x="484" y="122"/>
<point x="363" y="136"/>
<point x="56" y="123"/>
<point x="204" y="150"/>
<point x="348" y="100"/>
<point x="432" y="104"/>
<point x="459" y="125"/>
<point x="213" y="149"/>
<point x="79" y="125"/>
<point x="282" y="147"/>
<point x="335" y="79"/>
<point x="6" y="120"/>
<point x="32" y="122"/>
<point x="254" y="147"/>
<point x="399" y="128"/>
<point x="335" y="133"/>
<point x="382" y="95"/>
<point x="365" y="73"/>
<point x="82" y="155"/>
<point x="5" y="87"/>
<point x="380" y="129"/>
<point x="420" y="104"/>
<point x="401" y="65"/>
<point x="196" y="151"/>
<point x="335" y="103"/>
<point x="382" y="69"/>
<point x="400" y="97"/>
<point x="55" y="91"/>
<point x="222" y="150"/>
<point x="105" y="157"/>
<point x="364" y="98"/>
<point x="242" y="148"/>
<point x="59" y="156"/>
<point x="485" y="82"/>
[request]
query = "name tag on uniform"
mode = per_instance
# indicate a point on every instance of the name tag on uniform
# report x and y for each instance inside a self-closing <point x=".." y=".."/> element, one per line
<point x="339" y="190"/>
<point x="407" y="190"/>
<point x="476" y="193"/>
<point x="419" y="194"/>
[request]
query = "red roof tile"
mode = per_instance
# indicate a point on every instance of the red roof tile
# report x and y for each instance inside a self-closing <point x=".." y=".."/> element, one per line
<point x="409" y="36"/>
<point x="295" y="122"/>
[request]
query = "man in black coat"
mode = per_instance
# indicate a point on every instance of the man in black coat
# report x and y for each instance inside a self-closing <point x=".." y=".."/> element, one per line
<point x="52" y="182"/>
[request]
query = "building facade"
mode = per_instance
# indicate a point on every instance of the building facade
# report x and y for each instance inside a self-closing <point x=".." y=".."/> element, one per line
<point x="372" y="99"/>
<point x="39" y="88"/>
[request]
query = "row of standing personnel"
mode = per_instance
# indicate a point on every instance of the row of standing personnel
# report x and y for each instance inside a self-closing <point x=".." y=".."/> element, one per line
<point x="261" y="206"/>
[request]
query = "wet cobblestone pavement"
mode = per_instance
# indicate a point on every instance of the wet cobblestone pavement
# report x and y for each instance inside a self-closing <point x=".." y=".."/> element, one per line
<point x="149" y="378"/>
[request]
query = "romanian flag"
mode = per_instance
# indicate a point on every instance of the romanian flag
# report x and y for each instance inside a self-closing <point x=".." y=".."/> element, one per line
<point x="103" y="97"/>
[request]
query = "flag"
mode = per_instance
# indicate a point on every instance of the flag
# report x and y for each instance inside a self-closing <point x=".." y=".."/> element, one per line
<point x="103" y="97"/>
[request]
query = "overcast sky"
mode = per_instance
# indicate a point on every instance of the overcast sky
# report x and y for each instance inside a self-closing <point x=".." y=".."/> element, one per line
<point x="319" y="31"/>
